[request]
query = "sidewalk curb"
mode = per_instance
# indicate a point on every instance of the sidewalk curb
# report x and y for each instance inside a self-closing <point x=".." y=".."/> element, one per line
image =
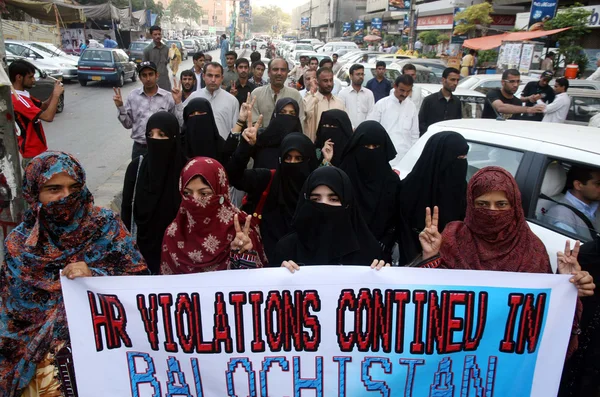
<point x="110" y="193"/>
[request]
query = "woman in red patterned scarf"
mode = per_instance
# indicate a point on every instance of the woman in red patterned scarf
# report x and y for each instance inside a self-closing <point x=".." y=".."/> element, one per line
<point x="206" y="234"/>
<point x="495" y="235"/>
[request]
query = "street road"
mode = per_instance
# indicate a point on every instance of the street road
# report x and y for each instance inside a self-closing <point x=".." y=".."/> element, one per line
<point x="89" y="129"/>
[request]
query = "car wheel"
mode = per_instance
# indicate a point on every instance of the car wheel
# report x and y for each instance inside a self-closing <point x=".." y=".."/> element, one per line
<point x="134" y="76"/>
<point x="61" y="104"/>
<point x="121" y="80"/>
<point x="83" y="82"/>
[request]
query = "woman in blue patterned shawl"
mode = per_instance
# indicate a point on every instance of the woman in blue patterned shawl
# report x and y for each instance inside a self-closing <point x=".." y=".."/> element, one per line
<point x="63" y="231"/>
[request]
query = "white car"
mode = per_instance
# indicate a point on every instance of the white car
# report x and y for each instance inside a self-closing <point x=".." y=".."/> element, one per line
<point x="334" y="46"/>
<point x="537" y="156"/>
<point x="484" y="83"/>
<point x="472" y="101"/>
<point x="53" y="50"/>
<point x="67" y="65"/>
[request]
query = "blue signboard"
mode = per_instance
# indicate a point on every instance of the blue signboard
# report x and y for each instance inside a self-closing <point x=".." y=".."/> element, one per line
<point x="399" y="5"/>
<point x="376" y="25"/>
<point x="541" y="12"/>
<point x="305" y="23"/>
<point x="457" y="39"/>
<point x="346" y="29"/>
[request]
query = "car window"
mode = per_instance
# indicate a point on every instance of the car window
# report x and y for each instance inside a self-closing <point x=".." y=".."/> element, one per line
<point x="137" y="46"/>
<point x="487" y="86"/>
<point x="484" y="155"/>
<point x="472" y="106"/>
<point x="344" y="76"/>
<point x="95" y="55"/>
<point x="468" y="82"/>
<point x="18" y="49"/>
<point x="583" y="109"/>
<point x="556" y="190"/>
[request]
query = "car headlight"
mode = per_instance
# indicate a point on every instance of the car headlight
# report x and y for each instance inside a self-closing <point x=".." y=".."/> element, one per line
<point x="66" y="65"/>
<point x="51" y="71"/>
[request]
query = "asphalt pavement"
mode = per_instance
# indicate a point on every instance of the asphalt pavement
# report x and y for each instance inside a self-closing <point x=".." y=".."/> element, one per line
<point x="89" y="129"/>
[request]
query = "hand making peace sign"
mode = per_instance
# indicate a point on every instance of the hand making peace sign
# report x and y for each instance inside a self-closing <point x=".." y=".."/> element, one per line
<point x="176" y="91"/>
<point x="246" y="108"/>
<point x="430" y="237"/>
<point x="251" y="132"/>
<point x="117" y="98"/>
<point x="242" y="242"/>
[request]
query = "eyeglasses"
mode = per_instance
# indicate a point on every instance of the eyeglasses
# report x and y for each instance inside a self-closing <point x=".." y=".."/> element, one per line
<point x="513" y="81"/>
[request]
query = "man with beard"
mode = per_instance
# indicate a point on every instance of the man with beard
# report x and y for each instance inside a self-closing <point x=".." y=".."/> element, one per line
<point x="143" y="102"/>
<point x="398" y="116"/>
<point x="229" y="74"/>
<point x="359" y="100"/>
<point x="242" y="87"/>
<point x="536" y="91"/>
<point x="268" y="95"/>
<point x="188" y="83"/>
<point x="441" y="105"/>
<point x="225" y="106"/>
<point x="29" y="111"/>
<point x="503" y="102"/>
<point x="318" y="99"/>
<point x="158" y="53"/>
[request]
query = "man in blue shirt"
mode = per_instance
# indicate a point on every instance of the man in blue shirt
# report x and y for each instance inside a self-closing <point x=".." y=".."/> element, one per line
<point x="109" y="43"/>
<point x="224" y="49"/>
<point x="379" y="85"/>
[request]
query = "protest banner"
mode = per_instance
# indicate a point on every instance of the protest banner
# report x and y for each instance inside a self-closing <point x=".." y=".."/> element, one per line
<point x="323" y="331"/>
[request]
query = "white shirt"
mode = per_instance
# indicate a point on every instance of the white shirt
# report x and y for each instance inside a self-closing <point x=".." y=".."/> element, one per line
<point x="595" y="76"/>
<point x="416" y="96"/>
<point x="358" y="104"/>
<point x="556" y="112"/>
<point x="225" y="106"/>
<point x="337" y="87"/>
<point x="401" y="121"/>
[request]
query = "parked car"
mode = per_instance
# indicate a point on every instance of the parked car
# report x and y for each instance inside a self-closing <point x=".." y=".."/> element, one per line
<point x="585" y="104"/>
<point x="579" y="84"/>
<point x="186" y="46"/>
<point x="335" y="46"/>
<point x="357" y="56"/>
<point x="437" y="66"/>
<point x="67" y="65"/>
<point x="486" y="82"/>
<point x="313" y="42"/>
<point x="44" y="84"/>
<point x="107" y="65"/>
<point x="299" y="47"/>
<point x="391" y="58"/>
<point x="41" y="64"/>
<point x="537" y="156"/>
<point x="136" y="50"/>
<point x="472" y="101"/>
<point x="294" y="59"/>
<point x="343" y="75"/>
<point x="53" y="50"/>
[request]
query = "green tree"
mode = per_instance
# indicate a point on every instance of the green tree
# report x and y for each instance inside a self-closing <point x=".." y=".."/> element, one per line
<point x="474" y="18"/>
<point x="186" y="9"/>
<point x="569" y="49"/>
<point x="431" y="37"/>
<point x="264" y="18"/>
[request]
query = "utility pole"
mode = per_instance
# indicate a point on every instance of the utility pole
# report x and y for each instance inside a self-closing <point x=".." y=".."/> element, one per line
<point x="233" y="23"/>
<point x="413" y="28"/>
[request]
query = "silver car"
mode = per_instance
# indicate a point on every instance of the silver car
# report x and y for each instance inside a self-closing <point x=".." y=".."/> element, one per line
<point x="67" y="66"/>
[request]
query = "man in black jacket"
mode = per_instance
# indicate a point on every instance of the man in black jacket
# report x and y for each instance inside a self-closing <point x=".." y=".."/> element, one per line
<point x="442" y="105"/>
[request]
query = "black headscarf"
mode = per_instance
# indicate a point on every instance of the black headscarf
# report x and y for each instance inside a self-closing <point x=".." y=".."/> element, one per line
<point x="327" y="235"/>
<point x="157" y="195"/>
<point x="340" y="135"/>
<point x="438" y="178"/>
<point x="202" y="137"/>
<point x="285" y="189"/>
<point x="266" y="150"/>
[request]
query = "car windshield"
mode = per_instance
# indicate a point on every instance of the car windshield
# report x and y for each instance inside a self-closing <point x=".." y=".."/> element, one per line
<point x="137" y="46"/>
<point x="96" y="55"/>
<point x="49" y="50"/>
<point x="303" y="47"/>
<point x="189" y="42"/>
<point x="468" y="82"/>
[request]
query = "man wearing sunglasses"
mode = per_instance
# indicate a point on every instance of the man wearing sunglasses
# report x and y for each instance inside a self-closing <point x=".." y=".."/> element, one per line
<point x="536" y="91"/>
<point x="503" y="102"/>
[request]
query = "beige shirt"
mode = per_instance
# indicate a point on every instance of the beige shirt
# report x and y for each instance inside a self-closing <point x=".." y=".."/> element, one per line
<point x="298" y="71"/>
<point x="314" y="106"/>
<point x="266" y="100"/>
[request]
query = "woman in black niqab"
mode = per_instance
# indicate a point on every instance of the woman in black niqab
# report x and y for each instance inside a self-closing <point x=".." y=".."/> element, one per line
<point x="439" y="178"/>
<point x="155" y="182"/>
<point x="376" y="186"/>
<point x="266" y="151"/>
<point x="200" y="131"/>
<point x="325" y="234"/>
<point x="335" y="125"/>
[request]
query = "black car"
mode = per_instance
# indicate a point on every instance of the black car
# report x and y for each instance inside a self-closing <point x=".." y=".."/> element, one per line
<point x="136" y="50"/>
<point x="44" y="84"/>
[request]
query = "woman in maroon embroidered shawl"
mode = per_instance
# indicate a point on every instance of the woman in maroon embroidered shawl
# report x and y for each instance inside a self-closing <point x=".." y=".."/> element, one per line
<point x="206" y="234"/>
<point x="495" y="235"/>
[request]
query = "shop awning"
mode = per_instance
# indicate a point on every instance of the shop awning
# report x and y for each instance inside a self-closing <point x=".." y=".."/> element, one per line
<point x="44" y="11"/>
<point x="491" y="42"/>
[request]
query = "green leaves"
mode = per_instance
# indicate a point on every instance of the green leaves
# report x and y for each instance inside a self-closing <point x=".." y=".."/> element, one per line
<point x="186" y="9"/>
<point x="576" y="18"/>
<point x="473" y="18"/>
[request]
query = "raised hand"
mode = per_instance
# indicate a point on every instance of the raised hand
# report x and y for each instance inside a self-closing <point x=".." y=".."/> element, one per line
<point x="567" y="260"/>
<point x="58" y="88"/>
<point x="430" y="238"/>
<point x="327" y="150"/>
<point x="314" y="87"/>
<point x="242" y="242"/>
<point x="251" y="132"/>
<point x="233" y="91"/>
<point x="246" y="108"/>
<point x="117" y="98"/>
<point x="176" y="91"/>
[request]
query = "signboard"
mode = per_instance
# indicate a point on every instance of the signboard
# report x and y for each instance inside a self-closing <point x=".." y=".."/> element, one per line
<point x="541" y="12"/>
<point x="347" y="29"/>
<point x="457" y="39"/>
<point x="244" y="8"/>
<point x="324" y="331"/>
<point x="305" y="23"/>
<point x="399" y="5"/>
<point x="359" y="26"/>
<point x="526" y="58"/>
<point x="445" y="21"/>
<point x="376" y="25"/>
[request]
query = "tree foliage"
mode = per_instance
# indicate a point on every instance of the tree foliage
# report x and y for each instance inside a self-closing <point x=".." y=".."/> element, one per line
<point x="186" y="9"/>
<point x="264" y="18"/>
<point x="473" y="18"/>
<point x="432" y="37"/>
<point x="569" y="47"/>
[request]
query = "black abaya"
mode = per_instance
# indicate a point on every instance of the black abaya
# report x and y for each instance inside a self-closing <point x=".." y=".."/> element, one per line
<point x="339" y="131"/>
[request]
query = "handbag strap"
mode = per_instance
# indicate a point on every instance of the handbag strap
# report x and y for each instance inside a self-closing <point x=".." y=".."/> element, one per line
<point x="133" y="225"/>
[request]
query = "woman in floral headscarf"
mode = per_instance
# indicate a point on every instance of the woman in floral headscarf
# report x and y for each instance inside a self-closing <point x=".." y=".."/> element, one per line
<point x="62" y="231"/>
<point x="206" y="234"/>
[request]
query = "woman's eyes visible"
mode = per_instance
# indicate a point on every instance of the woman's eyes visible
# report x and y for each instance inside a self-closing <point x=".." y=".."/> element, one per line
<point x="335" y="199"/>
